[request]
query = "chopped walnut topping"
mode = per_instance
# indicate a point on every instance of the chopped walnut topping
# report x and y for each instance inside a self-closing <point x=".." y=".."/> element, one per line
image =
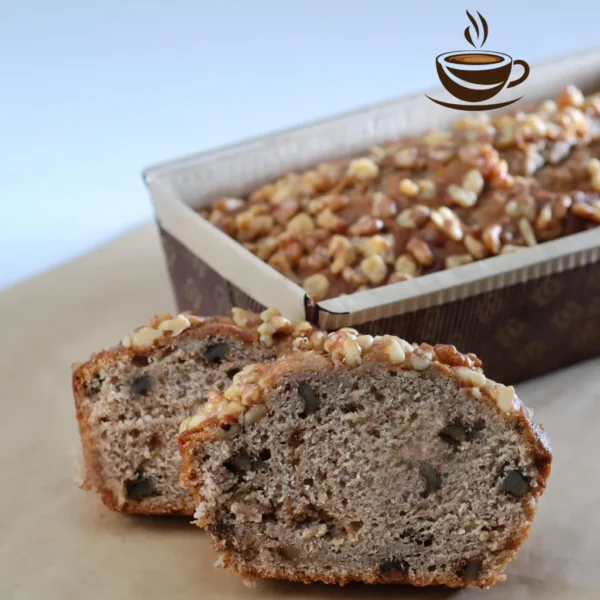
<point x="300" y="224"/>
<point x="316" y="286"/>
<point x="594" y="171"/>
<point x="383" y="207"/>
<point x="461" y="196"/>
<point x="142" y="339"/>
<point x="587" y="211"/>
<point x="329" y="220"/>
<point x="510" y="248"/>
<point x="544" y="218"/>
<point x="406" y="265"/>
<point x="527" y="232"/>
<point x="363" y="168"/>
<point x="366" y="225"/>
<point x="448" y="222"/>
<point x="491" y="238"/>
<point x="391" y="347"/>
<point x="176" y="326"/>
<point x="250" y="226"/>
<point x="243" y="403"/>
<point x="496" y="185"/>
<point x="365" y="342"/>
<point x="406" y="158"/>
<point x="421" y="251"/>
<point x="457" y="260"/>
<point x="228" y="205"/>
<point x="570" y="96"/>
<point x="473" y="181"/>
<point x="475" y="248"/>
<point x="418" y="359"/>
<point x="469" y="377"/>
<point x="374" y="268"/>
<point x="333" y="202"/>
<point x="413" y="217"/>
<point x="409" y="188"/>
<point x="427" y="189"/>
<point x="244" y="318"/>
<point x="397" y="277"/>
<point x="274" y="325"/>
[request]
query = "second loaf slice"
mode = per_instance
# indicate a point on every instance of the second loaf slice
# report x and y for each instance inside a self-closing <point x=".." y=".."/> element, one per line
<point x="375" y="461"/>
<point x="130" y="399"/>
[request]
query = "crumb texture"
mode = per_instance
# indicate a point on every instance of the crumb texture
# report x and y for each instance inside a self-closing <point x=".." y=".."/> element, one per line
<point x="368" y="474"/>
<point x="133" y="409"/>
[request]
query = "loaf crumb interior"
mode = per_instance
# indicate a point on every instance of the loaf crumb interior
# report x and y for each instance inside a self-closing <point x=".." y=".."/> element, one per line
<point x="135" y="407"/>
<point x="370" y="475"/>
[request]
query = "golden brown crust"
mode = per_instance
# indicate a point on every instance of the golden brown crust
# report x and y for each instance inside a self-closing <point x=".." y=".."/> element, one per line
<point x="371" y="577"/>
<point x="252" y="389"/>
<point x="246" y="326"/>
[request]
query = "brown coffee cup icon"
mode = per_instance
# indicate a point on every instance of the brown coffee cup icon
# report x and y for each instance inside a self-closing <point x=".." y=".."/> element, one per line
<point x="476" y="76"/>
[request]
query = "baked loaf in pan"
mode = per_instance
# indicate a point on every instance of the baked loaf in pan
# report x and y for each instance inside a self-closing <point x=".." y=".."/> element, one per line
<point x="373" y="461"/>
<point x="423" y="204"/>
<point x="130" y="399"/>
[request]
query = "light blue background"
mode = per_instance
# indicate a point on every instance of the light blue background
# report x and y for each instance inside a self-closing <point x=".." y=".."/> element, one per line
<point x="92" y="92"/>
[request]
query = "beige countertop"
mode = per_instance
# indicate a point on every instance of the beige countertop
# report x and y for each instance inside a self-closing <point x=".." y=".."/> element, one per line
<point x="57" y="542"/>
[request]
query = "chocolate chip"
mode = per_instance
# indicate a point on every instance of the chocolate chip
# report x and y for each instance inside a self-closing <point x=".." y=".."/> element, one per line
<point x="221" y="526"/>
<point x="470" y="570"/>
<point x="139" y="487"/>
<point x="456" y="432"/>
<point x="289" y="553"/>
<point x="142" y="385"/>
<point x="93" y="386"/>
<point x="264" y="456"/>
<point x="216" y="352"/>
<point x="232" y="373"/>
<point x="140" y="361"/>
<point x="515" y="483"/>
<point x="239" y="464"/>
<point x="311" y="401"/>
<point x="431" y="476"/>
<point x="394" y="568"/>
<point x="296" y="438"/>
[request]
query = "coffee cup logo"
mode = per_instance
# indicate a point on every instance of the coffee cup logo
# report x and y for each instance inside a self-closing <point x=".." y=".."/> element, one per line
<point x="476" y="76"/>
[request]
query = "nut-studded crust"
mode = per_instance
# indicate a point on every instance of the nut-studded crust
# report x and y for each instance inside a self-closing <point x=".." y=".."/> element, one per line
<point x="344" y="350"/>
<point x="269" y="329"/>
<point x="489" y="186"/>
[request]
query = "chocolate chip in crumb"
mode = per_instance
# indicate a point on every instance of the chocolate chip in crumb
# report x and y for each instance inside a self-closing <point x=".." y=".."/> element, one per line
<point x="470" y="570"/>
<point x="140" y="361"/>
<point x="311" y="401"/>
<point x="289" y="553"/>
<point x="239" y="464"/>
<point x="515" y="483"/>
<point x="216" y="352"/>
<point x="142" y="385"/>
<point x="93" y="386"/>
<point x="139" y="487"/>
<point x="432" y="478"/>
<point x="393" y="568"/>
<point x="456" y="432"/>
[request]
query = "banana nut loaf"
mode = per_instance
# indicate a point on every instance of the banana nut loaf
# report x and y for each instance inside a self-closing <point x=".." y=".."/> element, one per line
<point x="441" y="200"/>
<point x="373" y="460"/>
<point x="130" y="399"/>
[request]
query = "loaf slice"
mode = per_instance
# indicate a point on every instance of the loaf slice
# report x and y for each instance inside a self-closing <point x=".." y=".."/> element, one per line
<point x="375" y="461"/>
<point x="131" y="399"/>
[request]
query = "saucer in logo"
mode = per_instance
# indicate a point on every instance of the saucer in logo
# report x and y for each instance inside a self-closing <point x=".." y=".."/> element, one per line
<point x="476" y="76"/>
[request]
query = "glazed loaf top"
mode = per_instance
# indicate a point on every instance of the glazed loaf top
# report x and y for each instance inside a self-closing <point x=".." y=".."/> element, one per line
<point x="411" y="207"/>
